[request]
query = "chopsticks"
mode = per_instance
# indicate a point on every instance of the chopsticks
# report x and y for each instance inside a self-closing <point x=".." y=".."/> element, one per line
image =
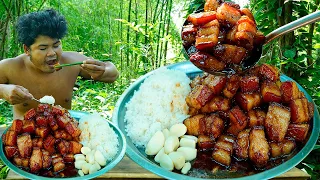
<point x="73" y="64"/>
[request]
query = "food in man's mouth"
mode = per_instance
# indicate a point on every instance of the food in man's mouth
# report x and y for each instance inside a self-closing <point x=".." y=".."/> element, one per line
<point x="252" y="119"/>
<point x="222" y="36"/>
<point x="56" y="67"/>
<point x="158" y="104"/>
<point x="44" y="142"/>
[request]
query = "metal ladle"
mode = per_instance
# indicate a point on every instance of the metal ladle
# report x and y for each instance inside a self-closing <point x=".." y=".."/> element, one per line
<point x="311" y="18"/>
<point x="257" y="51"/>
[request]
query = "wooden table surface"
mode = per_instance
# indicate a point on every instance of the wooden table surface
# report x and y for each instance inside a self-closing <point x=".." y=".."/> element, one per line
<point x="127" y="169"/>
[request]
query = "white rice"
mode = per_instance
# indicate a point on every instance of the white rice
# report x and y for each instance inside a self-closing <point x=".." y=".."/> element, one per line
<point x="47" y="100"/>
<point x="158" y="104"/>
<point x="98" y="135"/>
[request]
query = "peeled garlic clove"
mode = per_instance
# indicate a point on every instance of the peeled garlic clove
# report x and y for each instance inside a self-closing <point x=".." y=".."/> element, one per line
<point x="178" y="129"/>
<point x="100" y="158"/>
<point x="90" y="157"/>
<point x="188" y="152"/>
<point x="177" y="159"/>
<point x="92" y="169"/>
<point x="80" y="173"/>
<point x="158" y="156"/>
<point x="78" y="157"/>
<point x="79" y="163"/>
<point x="98" y="167"/>
<point x="155" y="144"/>
<point x="166" y="133"/>
<point x="171" y="144"/>
<point x="186" y="142"/>
<point x="85" y="150"/>
<point x="186" y="168"/>
<point x="166" y="162"/>
<point x="190" y="137"/>
<point x="85" y="168"/>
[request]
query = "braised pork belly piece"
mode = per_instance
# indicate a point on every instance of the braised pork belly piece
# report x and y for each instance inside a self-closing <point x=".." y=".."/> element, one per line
<point x="270" y="92"/>
<point x="207" y="35"/>
<point x="223" y="36"/>
<point x="248" y="101"/>
<point x="238" y="121"/>
<point x="217" y="103"/>
<point x="230" y="53"/>
<point x="250" y="117"/>
<point x="269" y="72"/>
<point x="193" y="124"/>
<point x="298" y="132"/>
<point x="211" y="5"/>
<point x="256" y="117"/>
<point x="199" y="96"/>
<point x="277" y="122"/>
<point x="278" y="149"/>
<point x="44" y="141"/>
<point x="188" y="34"/>
<point x="259" y="147"/>
<point x="232" y="86"/>
<point x="205" y="142"/>
<point x="215" y="83"/>
<point x="207" y="61"/>
<point x="228" y="15"/>
<point x="223" y="150"/>
<point x="202" y="18"/>
<point x="241" y="145"/>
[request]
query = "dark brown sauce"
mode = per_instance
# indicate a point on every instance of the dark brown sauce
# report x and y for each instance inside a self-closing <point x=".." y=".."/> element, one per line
<point x="68" y="171"/>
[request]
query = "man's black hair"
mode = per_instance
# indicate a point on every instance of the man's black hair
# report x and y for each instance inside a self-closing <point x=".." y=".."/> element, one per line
<point x="48" y="23"/>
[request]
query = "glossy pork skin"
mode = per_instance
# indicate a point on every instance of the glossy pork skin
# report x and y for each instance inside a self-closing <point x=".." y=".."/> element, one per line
<point x="45" y="140"/>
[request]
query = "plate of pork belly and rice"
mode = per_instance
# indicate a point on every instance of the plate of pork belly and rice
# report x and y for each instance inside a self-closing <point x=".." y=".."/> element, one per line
<point x="52" y="142"/>
<point x="181" y="123"/>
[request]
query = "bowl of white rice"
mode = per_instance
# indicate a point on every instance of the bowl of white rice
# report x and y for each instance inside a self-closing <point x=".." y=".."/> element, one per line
<point x="154" y="102"/>
<point x="98" y="133"/>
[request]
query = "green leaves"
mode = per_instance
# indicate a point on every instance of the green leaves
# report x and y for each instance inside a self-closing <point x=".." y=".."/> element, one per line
<point x="290" y="53"/>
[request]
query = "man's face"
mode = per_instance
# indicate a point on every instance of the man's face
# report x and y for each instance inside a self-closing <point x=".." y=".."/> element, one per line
<point x="45" y="52"/>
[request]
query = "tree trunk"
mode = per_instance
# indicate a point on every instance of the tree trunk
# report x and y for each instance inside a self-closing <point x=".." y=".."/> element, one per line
<point x="128" y="36"/>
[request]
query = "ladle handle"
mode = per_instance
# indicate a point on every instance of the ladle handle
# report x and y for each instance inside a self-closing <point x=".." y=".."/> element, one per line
<point x="313" y="17"/>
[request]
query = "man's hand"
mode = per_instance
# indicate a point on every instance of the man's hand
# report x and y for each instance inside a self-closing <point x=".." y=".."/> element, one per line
<point x="94" y="68"/>
<point x="101" y="71"/>
<point x="15" y="94"/>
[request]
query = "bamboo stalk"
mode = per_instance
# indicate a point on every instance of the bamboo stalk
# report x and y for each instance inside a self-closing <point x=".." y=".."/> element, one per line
<point x="155" y="12"/>
<point x="128" y="36"/>
<point x="167" y="31"/>
<point x="144" y="59"/>
<point x="158" y="38"/>
<point x="137" y="36"/>
<point x="121" y="36"/>
<point x="161" y="52"/>
<point x="110" y="33"/>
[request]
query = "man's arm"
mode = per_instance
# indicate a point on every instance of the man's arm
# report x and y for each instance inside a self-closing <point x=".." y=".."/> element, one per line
<point x="14" y="94"/>
<point x="100" y="71"/>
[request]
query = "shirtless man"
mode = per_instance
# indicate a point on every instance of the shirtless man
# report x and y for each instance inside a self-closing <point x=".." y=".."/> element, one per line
<point x="32" y="74"/>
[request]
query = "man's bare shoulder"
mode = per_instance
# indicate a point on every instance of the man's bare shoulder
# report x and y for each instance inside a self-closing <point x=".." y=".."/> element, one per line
<point x="10" y="65"/>
<point x="12" y="62"/>
<point x="70" y="57"/>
